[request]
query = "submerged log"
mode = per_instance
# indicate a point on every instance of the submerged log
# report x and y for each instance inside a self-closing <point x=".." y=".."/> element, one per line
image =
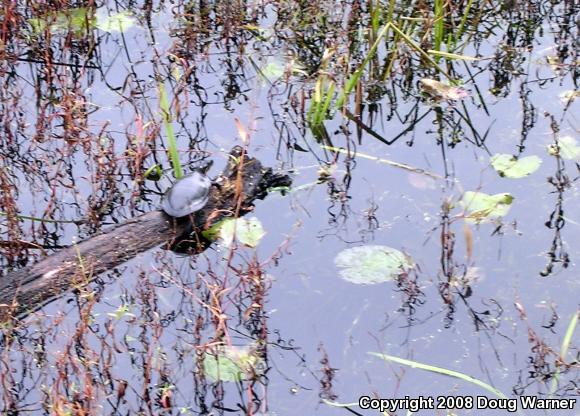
<point x="243" y="181"/>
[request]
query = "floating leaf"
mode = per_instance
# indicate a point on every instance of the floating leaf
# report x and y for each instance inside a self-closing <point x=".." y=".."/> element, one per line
<point x="213" y="232"/>
<point x="509" y="166"/>
<point x="231" y="363"/>
<point x="440" y="370"/>
<point x="276" y="67"/>
<point x="481" y="207"/>
<point x="121" y="311"/>
<point x="118" y="22"/>
<point x="262" y="34"/>
<point x="567" y="148"/>
<point x="77" y="20"/>
<point x="372" y="264"/>
<point x="247" y="231"/>
<point x="449" y="55"/>
<point x="227" y="231"/>
<point x="439" y="90"/>
<point x="273" y="70"/>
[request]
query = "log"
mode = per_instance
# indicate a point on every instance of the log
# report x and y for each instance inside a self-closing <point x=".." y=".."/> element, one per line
<point x="233" y="193"/>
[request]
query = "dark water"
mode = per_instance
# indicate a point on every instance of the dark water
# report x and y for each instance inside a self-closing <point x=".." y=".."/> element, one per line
<point x="76" y="141"/>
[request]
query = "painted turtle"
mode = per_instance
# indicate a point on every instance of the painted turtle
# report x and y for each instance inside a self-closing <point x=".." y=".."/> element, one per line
<point x="188" y="195"/>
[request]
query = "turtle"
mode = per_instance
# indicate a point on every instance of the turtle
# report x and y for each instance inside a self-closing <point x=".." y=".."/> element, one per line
<point x="188" y="195"/>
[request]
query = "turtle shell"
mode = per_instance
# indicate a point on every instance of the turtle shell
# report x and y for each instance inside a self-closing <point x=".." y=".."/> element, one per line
<point x="187" y="195"/>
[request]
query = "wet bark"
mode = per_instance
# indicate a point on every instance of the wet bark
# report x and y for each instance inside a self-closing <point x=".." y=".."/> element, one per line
<point x="243" y="181"/>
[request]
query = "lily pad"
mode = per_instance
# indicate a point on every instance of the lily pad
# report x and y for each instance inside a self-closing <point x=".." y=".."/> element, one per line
<point x="118" y="22"/>
<point x="247" y="231"/>
<point x="509" y="166"/>
<point x="231" y="363"/>
<point x="372" y="264"/>
<point x="273" y="70"/>
<point x="481" y="207"/>
<point x="122" y="311"/>
<point x="567" y="148"/>
<point x="78" y="20"/>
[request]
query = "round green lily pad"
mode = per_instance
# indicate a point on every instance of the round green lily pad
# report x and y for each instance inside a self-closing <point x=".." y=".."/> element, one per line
<point x="248" y="231"/>
<point x="372" y="264"/>
<point x="568" y="148"/>
<point x="231" y="363"/>
<point x="481" y="207"/>
<point x="508" y="166"/>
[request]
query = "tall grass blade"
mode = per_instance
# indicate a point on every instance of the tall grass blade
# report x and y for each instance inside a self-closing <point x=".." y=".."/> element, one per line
<point x="171" y="140"/>
<point x="457" y="35"/>
<point x="49" y="220"/>
<point x="454" y="56"/>
<point x="438" y="27"/>
<point x="439" y="370"/>
<point x="323" y="107"/>
<point x="347" y="405"/>
<point x="385" y="161"/>
<point x="352" y="81"/>
<point x="424" y="54"/>
<point x="564" y="350"/>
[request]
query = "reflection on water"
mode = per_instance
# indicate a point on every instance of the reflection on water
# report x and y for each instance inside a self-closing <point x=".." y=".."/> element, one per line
<point x="387" y="115"/>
